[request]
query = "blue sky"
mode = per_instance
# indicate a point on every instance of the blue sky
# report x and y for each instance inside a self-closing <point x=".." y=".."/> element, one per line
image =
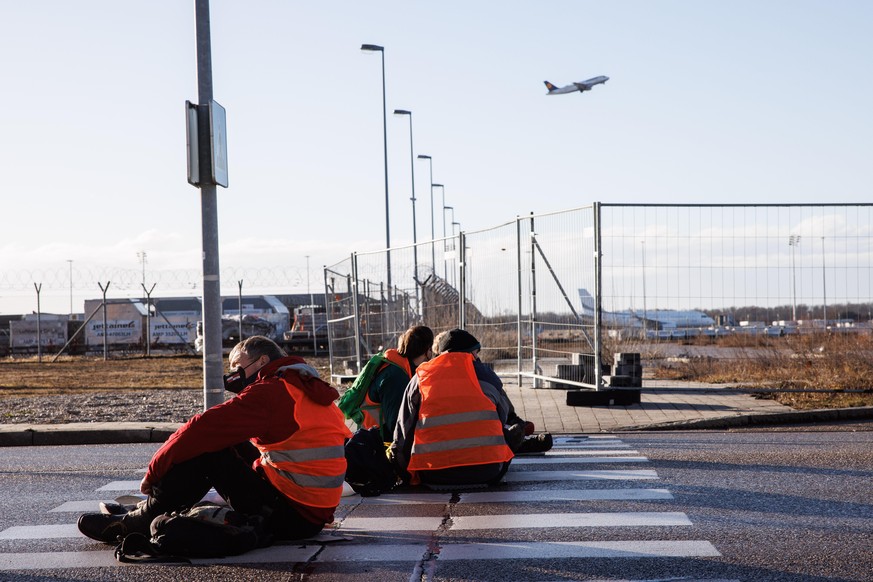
<point x="759" y="102"/>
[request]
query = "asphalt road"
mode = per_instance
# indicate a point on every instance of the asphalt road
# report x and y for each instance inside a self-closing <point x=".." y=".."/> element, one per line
<point x="713" y="506"/>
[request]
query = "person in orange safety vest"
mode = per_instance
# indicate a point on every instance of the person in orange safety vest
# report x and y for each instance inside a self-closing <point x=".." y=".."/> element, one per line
<point x="385" y="393"/>
<point x="274" y="450"/>
<point x="451" y="426"/>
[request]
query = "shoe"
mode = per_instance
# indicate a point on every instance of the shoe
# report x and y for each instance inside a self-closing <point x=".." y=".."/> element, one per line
<point x="535" y="444"/>
<point x="112" y="528"/>
<point x="514" y="435"/>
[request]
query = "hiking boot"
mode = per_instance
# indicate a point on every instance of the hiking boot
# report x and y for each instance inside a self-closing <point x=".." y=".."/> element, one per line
<point x="112" y="528"/>
<point x="535" y="444"/>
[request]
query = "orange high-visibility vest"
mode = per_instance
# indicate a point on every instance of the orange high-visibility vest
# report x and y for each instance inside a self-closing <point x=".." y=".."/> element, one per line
<point x="457" y="424"/>
<point x="373" y="410"/>
<point x="310" y="465"/>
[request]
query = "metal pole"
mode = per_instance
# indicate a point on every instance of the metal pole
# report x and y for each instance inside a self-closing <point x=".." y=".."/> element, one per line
<point x="645" y="310"/>
<point x="38" y="324"/>
<point x="239" y="309"/>
<point x="385" y="157"/>
<point x="432" y="234"/>
<point x="148" y="332"/>
<point x="462" y="265"/>
<point x="598" y="323"/>
<point x="311" y="310"/>
<point x="412" y="174"/>
<point x="533" y="302"/>
<point x="213" y="386"/>
<point x="353" y="288"/>
<point x="824" y="290"/>
<point x="793" y="241"/>
<point x="328" y="292"/>
<point x="105" y="323"/>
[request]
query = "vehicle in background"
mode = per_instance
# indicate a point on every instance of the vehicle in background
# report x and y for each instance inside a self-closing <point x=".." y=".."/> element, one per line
<point x="308" y="330"/>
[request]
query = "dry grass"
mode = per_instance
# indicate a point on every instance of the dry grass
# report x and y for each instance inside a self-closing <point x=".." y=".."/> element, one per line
<point x="815" y="371"/>
<point x="27" y="376"/>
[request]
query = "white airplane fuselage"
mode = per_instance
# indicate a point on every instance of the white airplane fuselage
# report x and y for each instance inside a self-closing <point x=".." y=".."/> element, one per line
<point x="663" y="318"/>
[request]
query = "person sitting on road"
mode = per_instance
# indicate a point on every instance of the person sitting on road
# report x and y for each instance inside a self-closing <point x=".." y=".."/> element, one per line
<point x="450" y="428"/>
<point x="274" y="450"/>
<point x="519" y="433"/>
<point x="385" y="394"/>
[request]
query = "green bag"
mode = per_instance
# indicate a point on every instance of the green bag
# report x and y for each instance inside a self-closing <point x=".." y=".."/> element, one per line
<point x="351" y="400"/>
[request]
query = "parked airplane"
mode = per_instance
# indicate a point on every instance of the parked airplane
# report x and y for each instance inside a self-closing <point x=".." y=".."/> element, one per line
<point x="653" y="318"/>
<point x="581" y="86"/>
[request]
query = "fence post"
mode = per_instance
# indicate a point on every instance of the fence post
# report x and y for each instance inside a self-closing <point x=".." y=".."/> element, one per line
<point x="353" y="288"/>
<point x="462" y="266"/>
<point x="533" y="302"/>
<point x="148" y="331"/>
<point x="239" y="309"/>
<point x="327" y="318"/>
<point x="105" y="330"/>
<point x="598" y="327"/>
<point x="38" y="324"/>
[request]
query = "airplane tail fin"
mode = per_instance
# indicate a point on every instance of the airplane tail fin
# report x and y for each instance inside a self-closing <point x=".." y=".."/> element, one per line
<point x="549" y="86"/>
<point x="587" y="300"/>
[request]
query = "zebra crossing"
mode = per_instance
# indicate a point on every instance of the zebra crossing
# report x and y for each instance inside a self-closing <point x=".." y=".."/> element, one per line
<point x="568" y="475"/>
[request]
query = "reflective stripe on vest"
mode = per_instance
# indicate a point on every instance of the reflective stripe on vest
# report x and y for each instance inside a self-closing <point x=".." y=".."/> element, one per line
<point x="457" y="424"/>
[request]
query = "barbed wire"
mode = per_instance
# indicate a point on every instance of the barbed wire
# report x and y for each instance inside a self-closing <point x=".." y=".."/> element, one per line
<point x="86" y="278"/>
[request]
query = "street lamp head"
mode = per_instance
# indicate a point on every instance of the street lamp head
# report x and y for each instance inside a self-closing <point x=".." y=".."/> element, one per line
<point x="372" y="47"/>
<point x="402" y="112"/>
<point x="423" y="157"/>
<point x="437" y="186"/>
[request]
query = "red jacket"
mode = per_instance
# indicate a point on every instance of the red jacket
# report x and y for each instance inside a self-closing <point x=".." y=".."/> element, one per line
<point x="263" y="412"/>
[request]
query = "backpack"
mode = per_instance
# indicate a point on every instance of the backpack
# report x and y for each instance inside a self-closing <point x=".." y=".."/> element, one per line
<point x="368" y="470"/>
<point x="351" y="400"/>
<point x="204" y="531"/>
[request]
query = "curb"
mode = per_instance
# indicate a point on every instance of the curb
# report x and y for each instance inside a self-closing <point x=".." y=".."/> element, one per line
<point x="27" y="435"/>
<point x="796" y="417"/>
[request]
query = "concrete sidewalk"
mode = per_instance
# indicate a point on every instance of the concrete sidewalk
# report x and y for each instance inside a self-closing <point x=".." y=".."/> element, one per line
<point x="664" y="406"/>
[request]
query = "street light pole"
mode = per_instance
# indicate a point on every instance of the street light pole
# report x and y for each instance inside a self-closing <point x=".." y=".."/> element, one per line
<point x="793" y="241"/>
<point x="412" y="174"/>
<point x="445" y="246"/>
<point x="432" y="232"/>
<point x="443" y="191"/>
<point x="381" y="51"/>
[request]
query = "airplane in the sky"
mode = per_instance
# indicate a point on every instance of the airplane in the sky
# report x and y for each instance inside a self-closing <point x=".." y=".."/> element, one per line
<point x="653" y="318"/>
<point x="581" y="86"/>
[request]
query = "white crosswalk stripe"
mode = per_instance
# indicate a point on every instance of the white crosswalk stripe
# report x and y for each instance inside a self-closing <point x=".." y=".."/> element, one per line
<point x="513" y="507"/>
<point x="565" y="460"/>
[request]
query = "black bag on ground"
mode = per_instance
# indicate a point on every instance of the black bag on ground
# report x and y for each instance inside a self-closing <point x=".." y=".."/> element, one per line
<point x="204" y="531"/>
<point x="368" y="470"/>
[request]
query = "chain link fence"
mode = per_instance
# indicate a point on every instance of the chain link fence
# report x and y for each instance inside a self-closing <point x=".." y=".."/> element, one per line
<point x="554" y="298"/>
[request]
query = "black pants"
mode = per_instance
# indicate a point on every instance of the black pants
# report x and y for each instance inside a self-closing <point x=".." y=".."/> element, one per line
<point x="230" y="472"/>
<point x="487" y="474"/>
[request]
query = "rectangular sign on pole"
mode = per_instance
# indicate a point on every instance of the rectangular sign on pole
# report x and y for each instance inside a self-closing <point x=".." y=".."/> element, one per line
<point x="218" y="143"/>
<point x="193" y="140"/>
